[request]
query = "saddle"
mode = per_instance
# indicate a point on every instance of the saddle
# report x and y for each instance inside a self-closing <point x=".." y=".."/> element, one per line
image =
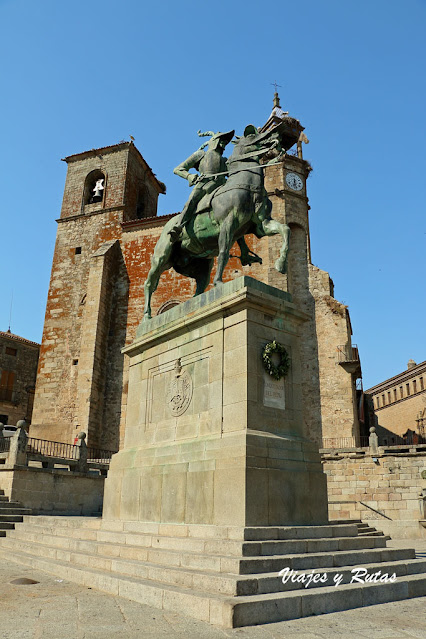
<point x="205" y="203"/>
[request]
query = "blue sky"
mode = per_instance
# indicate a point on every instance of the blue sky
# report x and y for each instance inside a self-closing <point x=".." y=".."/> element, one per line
<point x="84" y="74"/>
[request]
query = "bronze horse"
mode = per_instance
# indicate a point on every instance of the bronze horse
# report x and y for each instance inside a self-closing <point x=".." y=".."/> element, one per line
<point x="239" y="207"/>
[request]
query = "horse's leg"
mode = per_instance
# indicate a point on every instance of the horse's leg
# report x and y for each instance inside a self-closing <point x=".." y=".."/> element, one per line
<point x="160" y="262"/>
<point x="203" y="276"/>
<point x="225" y="241"/>
<point x="247" y="257"/>
<point x="273" y="227"/>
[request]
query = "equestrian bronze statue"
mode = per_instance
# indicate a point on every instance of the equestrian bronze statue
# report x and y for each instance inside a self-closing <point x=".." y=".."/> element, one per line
<point x="224" y="206"/>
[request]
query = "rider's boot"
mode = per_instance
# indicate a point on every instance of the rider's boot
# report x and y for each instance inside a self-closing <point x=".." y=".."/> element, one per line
<point x="175" y="232"/>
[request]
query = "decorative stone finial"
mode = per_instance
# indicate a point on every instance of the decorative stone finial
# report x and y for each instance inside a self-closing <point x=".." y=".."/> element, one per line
<point x="82" y="435"/>
<point x="411" y="363"/>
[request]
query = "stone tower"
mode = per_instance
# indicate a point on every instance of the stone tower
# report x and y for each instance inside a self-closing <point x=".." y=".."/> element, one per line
<point x="106" y="235"/>
<point x="80" y="373"/>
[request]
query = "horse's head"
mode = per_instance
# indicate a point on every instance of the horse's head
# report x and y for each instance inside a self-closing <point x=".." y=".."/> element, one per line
<point x="253" y="145"/>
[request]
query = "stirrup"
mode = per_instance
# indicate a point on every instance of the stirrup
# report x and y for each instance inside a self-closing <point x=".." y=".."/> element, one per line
<point x="175" y="232"/>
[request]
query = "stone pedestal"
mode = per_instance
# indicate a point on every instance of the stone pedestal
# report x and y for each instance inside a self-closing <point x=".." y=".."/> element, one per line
<point x="211" y="438"/>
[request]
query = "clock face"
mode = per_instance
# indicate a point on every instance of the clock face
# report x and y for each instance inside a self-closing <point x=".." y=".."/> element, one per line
<point x="294" y="181"/>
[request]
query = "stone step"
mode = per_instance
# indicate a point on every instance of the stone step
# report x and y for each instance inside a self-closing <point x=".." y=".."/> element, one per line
<point x="3" y="498"/>
<point x="37" y="543"/>
<point x="253" y="533"/>
<point x="260" y="609"/>
<point x="13" y="508"/>
<point x="15" y="518"/>
<point x="68" y="521"/>
<point x="7" y="525"/>
<point x="11" y="512"/>
<point x="237" y="611"/>
<point x="224" y="583"/>
<point x="62" y="537"/>
<point x="324" y="560"/>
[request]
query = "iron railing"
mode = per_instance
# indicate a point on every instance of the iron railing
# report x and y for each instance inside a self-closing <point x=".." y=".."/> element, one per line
<point x="100" y="456"/>
<point x="60" y="450"/>
<point x="363" y="442"/>
<point x="344" y="442"/>
<point x="347" y="353"/>
<point x="4" y="444"/>
<point x="47" y="448"/>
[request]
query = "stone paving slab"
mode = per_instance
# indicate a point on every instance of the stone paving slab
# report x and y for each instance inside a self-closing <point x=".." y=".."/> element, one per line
<point x="55" y="609"/>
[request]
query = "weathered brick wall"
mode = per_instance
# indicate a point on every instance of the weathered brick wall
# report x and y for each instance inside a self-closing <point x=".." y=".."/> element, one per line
<point x="16" y="402"/>
<point x="392" y="486"/>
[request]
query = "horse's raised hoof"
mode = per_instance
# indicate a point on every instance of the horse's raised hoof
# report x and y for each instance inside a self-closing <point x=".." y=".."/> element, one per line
<point x="281" y="265"/>
<point x="146" y="316"/>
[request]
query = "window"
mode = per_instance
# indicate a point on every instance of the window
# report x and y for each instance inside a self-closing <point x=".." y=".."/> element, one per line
<point x="414" y="386"/>
<point x="383" y="400"/>
<point x="395" y="397"/>
<point x="7" y="380"/>
<point x="75" y="362"/>
<point x="421" y="383"/>
<point x="141" y="204"/>
<point x="11" y="351"/>
<point x="78" y="250"/>
<point x="408" y="389"/>
<point x="401" y="392"/>
<point x="377" y="402"/>
<point x="389" y="397"/>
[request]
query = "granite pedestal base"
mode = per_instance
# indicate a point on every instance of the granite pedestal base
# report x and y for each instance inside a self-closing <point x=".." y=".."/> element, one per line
<point x="211" y="437"/>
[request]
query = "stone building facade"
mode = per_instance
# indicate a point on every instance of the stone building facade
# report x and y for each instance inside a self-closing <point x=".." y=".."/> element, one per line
<point x="18" y="370"/>
<point x="95" y="300"/>
<point x="399" y="404"/>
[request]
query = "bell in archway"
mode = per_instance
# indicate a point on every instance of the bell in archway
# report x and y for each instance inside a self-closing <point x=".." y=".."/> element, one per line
<point x="98" y="190"/>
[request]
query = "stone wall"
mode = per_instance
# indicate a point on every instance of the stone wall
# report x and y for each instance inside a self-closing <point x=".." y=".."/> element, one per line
<point x="53" y="490"/>
<point x="18" y="357"/>
<point x="337" y="385"/>
<point x="387" y="491"/>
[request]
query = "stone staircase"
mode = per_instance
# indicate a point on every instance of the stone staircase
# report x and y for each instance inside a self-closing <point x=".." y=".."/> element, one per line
<point x="222" y="575"/>
<point x="364" y="529"/>
<point x="11" y="512"/>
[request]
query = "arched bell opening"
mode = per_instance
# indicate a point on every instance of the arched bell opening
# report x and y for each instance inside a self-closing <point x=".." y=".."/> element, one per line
<point x="94" y="187"/>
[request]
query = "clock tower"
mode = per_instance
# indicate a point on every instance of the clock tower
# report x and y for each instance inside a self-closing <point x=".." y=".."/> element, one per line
<point x="331" y="365"/>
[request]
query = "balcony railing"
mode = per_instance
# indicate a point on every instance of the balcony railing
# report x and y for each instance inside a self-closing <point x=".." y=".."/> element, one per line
<point x="344" y="442"/>
<point x="363" y="442"/>
<point x="60" y="450"/>
<point x="347" y="353"/>
<point x="4" y="444"/>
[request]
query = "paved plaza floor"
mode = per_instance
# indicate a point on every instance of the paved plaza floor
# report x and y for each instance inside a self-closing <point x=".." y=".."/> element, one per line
<point x="59" y="609"/>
